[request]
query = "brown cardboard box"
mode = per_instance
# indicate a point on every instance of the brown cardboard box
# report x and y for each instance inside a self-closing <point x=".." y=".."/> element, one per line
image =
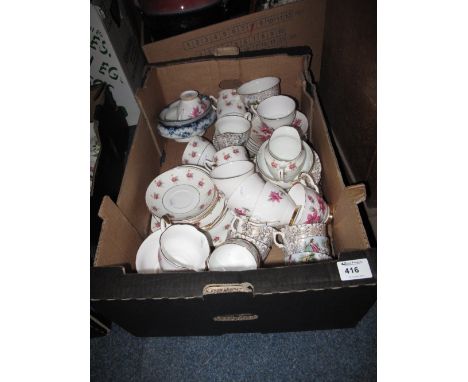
<point x="275" y="298"/>
<point x="296" y="24"/>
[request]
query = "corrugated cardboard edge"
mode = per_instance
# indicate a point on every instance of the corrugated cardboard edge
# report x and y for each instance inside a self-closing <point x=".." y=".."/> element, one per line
<point x="120" y="226"/>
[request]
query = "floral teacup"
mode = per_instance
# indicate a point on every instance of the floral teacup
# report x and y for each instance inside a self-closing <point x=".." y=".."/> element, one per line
<point x="190" y="105"/>
<point x="229" y="103"/>
<point x="199" y="151"/>
<point x="303" y="243"/>
<point x="229" y="154"/>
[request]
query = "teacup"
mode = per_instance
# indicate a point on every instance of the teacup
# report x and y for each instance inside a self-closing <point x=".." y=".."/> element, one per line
<point x="229" y="176"/>
<point x="244" y="197"/>
<point x="276" y="111"/>
<point x="199" y="151"/>
<point x="234" y="255"/>
<point x="303" y="243"/>
<point x="274" y="206"/>
<point x="190" y="105"/>
<point x="229" y="103"/>
<point x="259" y="234"/>
<point x="255" y="91"/>
<point x="231" y="131"/>
<point x="284" y="154"/>
<point x="229" y="154"/>
<point x="183" y="247"/>
<point x="314" y="209"/>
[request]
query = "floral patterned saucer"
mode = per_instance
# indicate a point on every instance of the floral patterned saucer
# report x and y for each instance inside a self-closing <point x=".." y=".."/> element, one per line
<point x="182" y="193"/>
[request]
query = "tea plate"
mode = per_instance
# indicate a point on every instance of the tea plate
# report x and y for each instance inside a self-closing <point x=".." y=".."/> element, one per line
<point x="181" y="193"/>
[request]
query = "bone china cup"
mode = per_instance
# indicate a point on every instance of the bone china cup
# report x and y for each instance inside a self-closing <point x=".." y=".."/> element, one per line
<point x="183" y="247"/>
<point x="190" y="105"/>
<point x="274" y="206"/>
<point x="245" y="196"/>
<point x="228" y="103"/>
<point x="198" y="151"/>
<point x="229" y="154"/>
<point x="276" y="111"/>
<point x="234" y="255"/>
<point x="303" y="243"/>
<point x="229" y="175"/>
<point x="255" y="91"/>
<point x="313" y="208"/>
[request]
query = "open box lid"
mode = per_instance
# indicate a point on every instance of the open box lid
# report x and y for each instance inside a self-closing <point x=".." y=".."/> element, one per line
<point x="296" y="24"/>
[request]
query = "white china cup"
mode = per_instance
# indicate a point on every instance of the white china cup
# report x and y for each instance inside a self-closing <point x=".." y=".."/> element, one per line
<point x="183" y="247"/>
<point x="234" y="255"/>
<point x="232" y="124"/>
<point x="274" y="206"/>
<point x="190" y="105"/>
<point x="228" y="103"/>
<point x="314" y="209"/>
<point x="276" y="111"/>
<point x="228" y="176"/>
<point x="228" y="154"/>
<point x="255" y="91"/>
<point x="199" y="151"/>
<point x="284" y="154"/>
<point x="243" y="199"/>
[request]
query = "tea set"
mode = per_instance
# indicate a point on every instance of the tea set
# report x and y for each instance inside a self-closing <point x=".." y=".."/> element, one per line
<point x="254" y="186"/>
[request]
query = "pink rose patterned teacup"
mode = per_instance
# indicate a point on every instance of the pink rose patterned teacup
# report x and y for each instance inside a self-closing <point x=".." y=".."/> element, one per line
<point x="190" y="105"/>
<point x="199" y="152"/>
<point x="229" y="103"/>
<point x="276" y="111"/>
<point x="314" y="209"/>
<point x="229" y="154"/>
<point x="284" y="154"/>
<point x="274" y="206"/>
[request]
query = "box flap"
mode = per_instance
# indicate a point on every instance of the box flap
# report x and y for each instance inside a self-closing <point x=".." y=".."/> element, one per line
<point x="298" y="23"/>
<point x="118" y="237"/>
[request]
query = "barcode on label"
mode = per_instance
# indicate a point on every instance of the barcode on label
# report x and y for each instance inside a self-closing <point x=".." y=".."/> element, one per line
<point x="354" y="269"/>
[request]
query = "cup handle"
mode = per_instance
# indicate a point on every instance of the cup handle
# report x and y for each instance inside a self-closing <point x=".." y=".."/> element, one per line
<point x="214" y="102"/>
<point x="248" y="116"/>
<point x="233" y="227"/>
<point x="253" y="108"/>
<point x="165" y="222"/>
<point x="308" y="181"/>
<point x="278" y="244"/>
<point x="209" y="165"/>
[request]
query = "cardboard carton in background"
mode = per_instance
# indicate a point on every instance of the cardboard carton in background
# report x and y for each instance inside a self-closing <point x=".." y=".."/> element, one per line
<point x="295" y="24"/>
<point x="116" y="55"/>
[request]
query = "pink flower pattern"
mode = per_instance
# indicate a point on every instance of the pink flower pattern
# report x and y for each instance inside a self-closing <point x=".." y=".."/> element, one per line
<point x="274" y="164"/>
<point x="215" y="239"/>
<point x="193" y="154"/>
<point x="174" y="179"/>
<point x="227" y="156"/>
<point x="189" y="174"/>
<point x="159" y="183"/>
<point x="313" y="218"/>
<point x="196" y="111"/>
<point x="321" y="204"/>
<point x="292" y="166"/>
<point x="155" y="196"/>
<point x="297" y="123"/>
<point x="235" y="151"/>
<point x="210" y="191"/>
<point x="240" y="211"/>
<point x="195" y="144"/>
<point x="275" y="196"/>
<point x="225" y="96"/>
<point x="229" y="103"/>
<point x="227" y="226"/>
<point x="314" y="246"/>
<point x="201" y="183"/>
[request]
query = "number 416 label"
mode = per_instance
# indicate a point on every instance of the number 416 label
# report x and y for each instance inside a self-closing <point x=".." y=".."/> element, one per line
<point x="354" y="269"/>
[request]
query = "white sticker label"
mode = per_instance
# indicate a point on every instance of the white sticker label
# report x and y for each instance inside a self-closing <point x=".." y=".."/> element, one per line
<point x="354" y="269"/>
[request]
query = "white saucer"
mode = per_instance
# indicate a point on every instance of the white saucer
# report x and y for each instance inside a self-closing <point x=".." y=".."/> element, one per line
<point x="155" y="223"/>
<point x="147" y="256"/>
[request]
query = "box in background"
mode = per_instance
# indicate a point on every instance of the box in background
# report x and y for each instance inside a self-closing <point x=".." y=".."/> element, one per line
<point x="296" y="24"/>
<point x="116" y="56"/>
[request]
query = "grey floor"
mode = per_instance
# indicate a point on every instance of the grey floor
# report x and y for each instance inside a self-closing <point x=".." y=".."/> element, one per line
<point x="334" y="355"/>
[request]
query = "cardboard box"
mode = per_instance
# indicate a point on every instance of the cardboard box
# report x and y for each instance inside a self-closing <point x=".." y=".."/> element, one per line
<point x="296" y="24"/>
<point x="116" y="55"/>
<point x="274" y="298"/>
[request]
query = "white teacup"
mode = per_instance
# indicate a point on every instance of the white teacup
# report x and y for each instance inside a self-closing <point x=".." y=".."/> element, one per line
<point x="183" y="247"/>
<point x="190" y="105"/>
<point x="229" y="154"/>
<point x="229" y="103"/>
<point x="313" y="208"/>
<point x="274" y="206"/>
<point x="284" y="154"/>
<point x="243" y="199"/>
<point x="199" y="151"/>
<point x="234" y="255"/>
<point x="228" y="176"/>
<point x="231" y="131"/>
<point x="276" y="111"/>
